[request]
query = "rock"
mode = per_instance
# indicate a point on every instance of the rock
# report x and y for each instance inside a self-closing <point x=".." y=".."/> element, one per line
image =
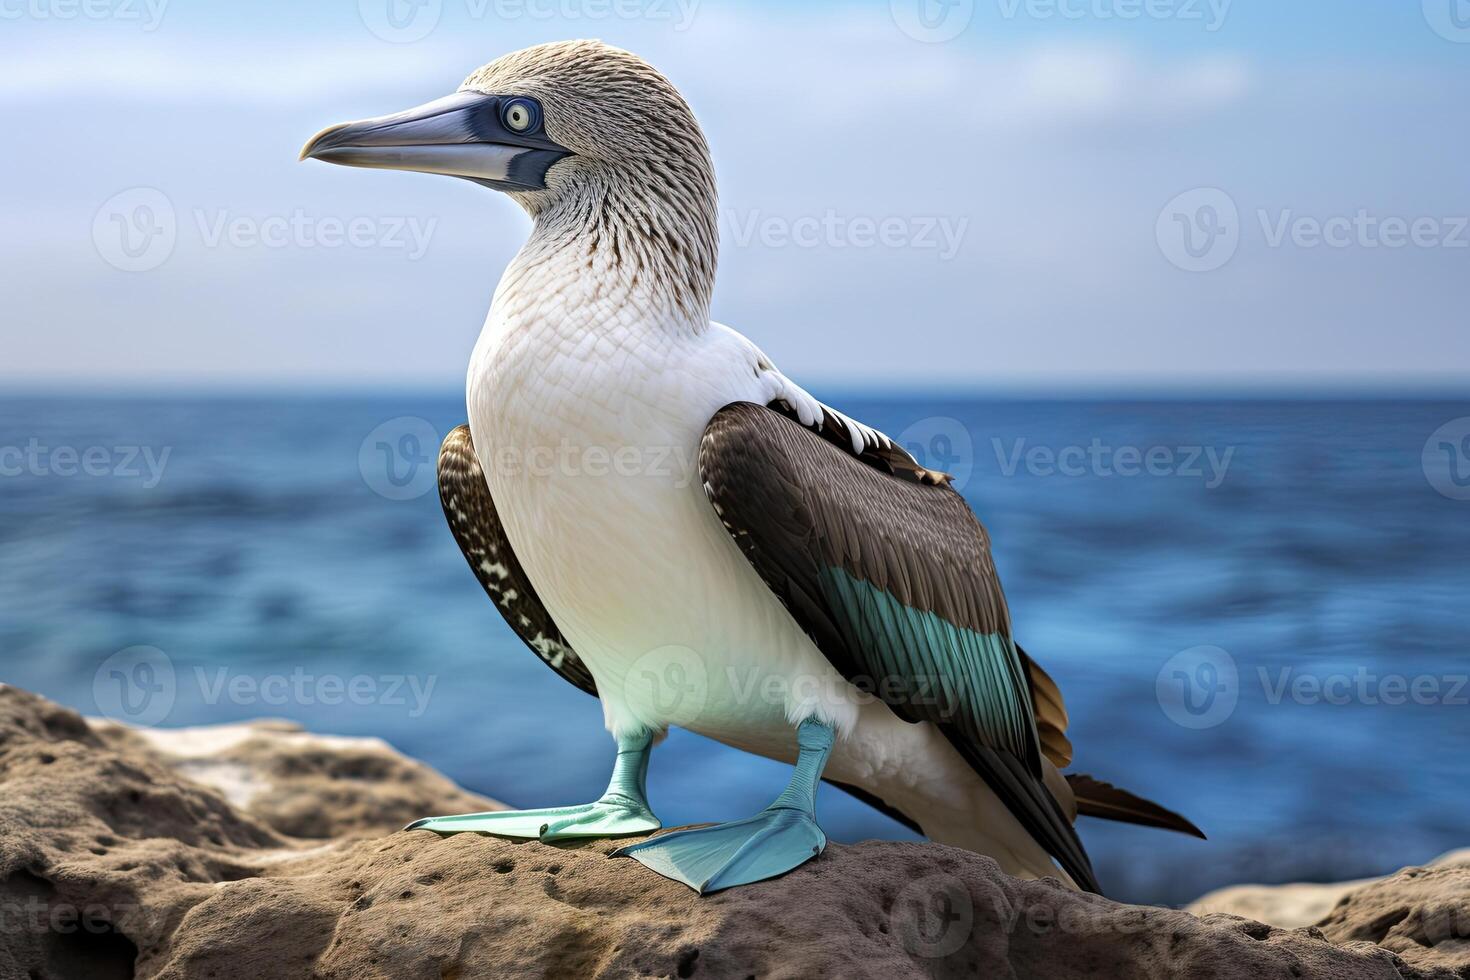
<point x="1298" y="904"/>
<point x="1288" y="906"/>
<point x="1423" y="914"/>
<point x="262" y="851"/>
<point x="312" y="786"/>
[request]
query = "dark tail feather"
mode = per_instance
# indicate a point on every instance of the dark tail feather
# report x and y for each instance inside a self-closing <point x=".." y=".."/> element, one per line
<point x="1096" y="798"/>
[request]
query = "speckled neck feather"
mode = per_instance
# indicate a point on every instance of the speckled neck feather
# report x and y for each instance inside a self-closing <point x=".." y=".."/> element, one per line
<point x="636" y="203"/>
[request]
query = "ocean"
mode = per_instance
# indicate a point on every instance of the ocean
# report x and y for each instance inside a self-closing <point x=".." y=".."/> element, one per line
<point x="1257" y="610"/>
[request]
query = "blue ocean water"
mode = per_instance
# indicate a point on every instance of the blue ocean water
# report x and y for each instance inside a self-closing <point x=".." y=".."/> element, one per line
<point x="1257" y="610"/>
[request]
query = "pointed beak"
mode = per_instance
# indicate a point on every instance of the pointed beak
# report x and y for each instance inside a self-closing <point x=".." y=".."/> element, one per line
<point x="460" y="135"/>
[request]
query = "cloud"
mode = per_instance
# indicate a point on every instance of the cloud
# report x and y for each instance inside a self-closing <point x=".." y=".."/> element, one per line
<point x="843" y="73"/>
<point x="1066" y="85"/>
<point x="181" y="71"/>
<point x="1040" y="85"/>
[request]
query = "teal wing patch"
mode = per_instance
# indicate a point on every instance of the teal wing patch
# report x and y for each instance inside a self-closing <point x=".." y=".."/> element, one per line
<point x="933" y="669"/>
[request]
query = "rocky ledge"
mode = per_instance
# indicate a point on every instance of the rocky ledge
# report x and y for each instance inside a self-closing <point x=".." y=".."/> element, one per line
<point x="263" y="851"/>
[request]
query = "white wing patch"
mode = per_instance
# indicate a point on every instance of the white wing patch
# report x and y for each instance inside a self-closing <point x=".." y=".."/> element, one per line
<point x="811" y="413"/>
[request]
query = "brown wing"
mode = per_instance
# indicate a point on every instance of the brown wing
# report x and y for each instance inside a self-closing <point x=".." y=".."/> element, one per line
<point x="888" y="571"/>
<point x="465" y="496"/>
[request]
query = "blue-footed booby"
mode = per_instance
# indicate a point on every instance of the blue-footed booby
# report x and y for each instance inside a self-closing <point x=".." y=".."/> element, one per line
<point x="679" y="529"/>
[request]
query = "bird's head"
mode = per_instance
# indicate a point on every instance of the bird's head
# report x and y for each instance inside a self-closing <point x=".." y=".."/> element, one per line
<point x="580" y="134"/>
<point x="543" y="124"/>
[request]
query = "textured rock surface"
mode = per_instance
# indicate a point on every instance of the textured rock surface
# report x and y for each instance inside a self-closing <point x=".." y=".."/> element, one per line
<point x="259" y="851"/>
<point x="1421" y="913"/>
<point x="1288" y="906"/>
<point x="304" y="785"/>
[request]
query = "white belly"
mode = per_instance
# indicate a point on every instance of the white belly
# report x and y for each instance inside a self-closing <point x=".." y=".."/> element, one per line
<point x="592" y="463"/>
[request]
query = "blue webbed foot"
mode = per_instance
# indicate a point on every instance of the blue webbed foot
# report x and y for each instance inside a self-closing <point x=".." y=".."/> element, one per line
<point x="606" y="817"/>
<point x="708" y="859"/>
<point x="783" y="836"/>
<point x="621" y="811"/>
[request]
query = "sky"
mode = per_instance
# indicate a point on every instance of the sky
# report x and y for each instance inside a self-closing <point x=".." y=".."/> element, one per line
<point x="979" y="194"/>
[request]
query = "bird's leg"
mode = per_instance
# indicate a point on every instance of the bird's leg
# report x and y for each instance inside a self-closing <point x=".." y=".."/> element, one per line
<point x="779" y="838"/>
<point x="620" y="811"/>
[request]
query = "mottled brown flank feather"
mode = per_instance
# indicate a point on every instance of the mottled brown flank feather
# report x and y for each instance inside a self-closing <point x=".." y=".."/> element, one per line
<point x="468" y="507"/>
<point x="800" y="503"/>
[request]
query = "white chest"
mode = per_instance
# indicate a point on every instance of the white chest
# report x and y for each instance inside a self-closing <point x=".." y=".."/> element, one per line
<point x="590" y="444"/>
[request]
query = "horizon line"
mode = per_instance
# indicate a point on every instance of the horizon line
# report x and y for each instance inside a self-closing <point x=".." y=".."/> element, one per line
<point x="981" y="389"/>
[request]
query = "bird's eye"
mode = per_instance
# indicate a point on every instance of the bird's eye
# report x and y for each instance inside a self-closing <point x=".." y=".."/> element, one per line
<point x="521" y="115"/>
